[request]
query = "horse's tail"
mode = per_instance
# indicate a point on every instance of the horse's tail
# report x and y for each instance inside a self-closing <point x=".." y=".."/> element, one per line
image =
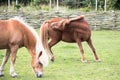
<point x="44" y="38"/>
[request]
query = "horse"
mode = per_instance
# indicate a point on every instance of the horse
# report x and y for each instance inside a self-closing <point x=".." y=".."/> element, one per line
<point x="75" y="30"/>
<point x="16" y="33"/>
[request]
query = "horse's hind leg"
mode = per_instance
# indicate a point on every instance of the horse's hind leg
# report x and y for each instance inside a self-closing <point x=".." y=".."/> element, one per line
<point x="5" y="59"/>
<point x="81" y="50"/>
<point x="13" y="58"/>
<point x="93" y="49"/>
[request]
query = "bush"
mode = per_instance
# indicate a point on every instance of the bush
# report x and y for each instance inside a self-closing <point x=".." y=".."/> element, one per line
<point x="17" y="7"/>
<point x="37" y="2"/>
<point x="73" y="3"/>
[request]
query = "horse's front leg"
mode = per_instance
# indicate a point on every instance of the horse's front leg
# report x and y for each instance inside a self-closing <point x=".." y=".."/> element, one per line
<point x="50" y="44"/>
<point x="13" y="58"/>
<point x="5" y="59"/>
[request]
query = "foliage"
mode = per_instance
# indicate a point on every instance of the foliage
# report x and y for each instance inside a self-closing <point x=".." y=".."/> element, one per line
<point x="90" y="4"/>
<point x="114" y="4"/>
<point x="80" y="3"/>
<point x="17" y="7"/>
<point x="37" y="2"/>
<point x="72" y="3"/>
<point x="111" y="4"/>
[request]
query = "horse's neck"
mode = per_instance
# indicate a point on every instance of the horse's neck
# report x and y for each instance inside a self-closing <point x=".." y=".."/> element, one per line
<point x="30" y="42"/>
<point x="29" y="36"/>
<point x="29" y="39"/>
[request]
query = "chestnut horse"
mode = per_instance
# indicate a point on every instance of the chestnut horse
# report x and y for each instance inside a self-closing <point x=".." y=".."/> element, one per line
<point x="68" y="30"/>
<point x="14" y="34"/>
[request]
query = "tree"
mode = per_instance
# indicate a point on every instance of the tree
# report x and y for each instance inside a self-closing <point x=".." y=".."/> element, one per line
<point x="105" y="6"/>
<point x="37" y="2"/>
<point x="90" y="4"/>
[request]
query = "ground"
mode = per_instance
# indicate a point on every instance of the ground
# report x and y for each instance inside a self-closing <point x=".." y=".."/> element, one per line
<point x="67" y="65"/>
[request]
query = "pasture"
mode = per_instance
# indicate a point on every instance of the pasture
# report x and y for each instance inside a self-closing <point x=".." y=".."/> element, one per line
<point x="67" y="65"/>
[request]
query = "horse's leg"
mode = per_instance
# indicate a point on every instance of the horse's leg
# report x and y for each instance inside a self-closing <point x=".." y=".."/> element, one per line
<point x="81" y="50"/>
<point x="13" y="58"/>
<point x="93" y="49"/>
<point x="50" y="44"/>
<point x="5" y="59"/>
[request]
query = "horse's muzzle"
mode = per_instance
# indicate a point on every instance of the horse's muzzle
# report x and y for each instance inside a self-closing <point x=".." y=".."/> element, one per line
<point x="38" y="74"/>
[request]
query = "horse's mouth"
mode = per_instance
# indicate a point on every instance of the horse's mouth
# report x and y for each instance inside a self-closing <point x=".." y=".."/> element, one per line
<point x="39" y="74"/>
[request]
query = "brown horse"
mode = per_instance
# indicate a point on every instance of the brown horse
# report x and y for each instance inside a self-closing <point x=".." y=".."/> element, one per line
<point x="68" y="30"/>
<point x="14" y="34"/>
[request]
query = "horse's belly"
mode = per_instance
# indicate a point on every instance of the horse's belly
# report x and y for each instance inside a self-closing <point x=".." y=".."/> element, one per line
<point x="3" y="43"/>
<point x="70" y="40"/>
<point x="3" y="46"/>
<point x="68" y="37"/>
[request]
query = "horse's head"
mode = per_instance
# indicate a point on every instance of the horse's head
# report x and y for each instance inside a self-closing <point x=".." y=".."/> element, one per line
<point x="39" y="60"/>
<point x="37" y="66"/>
<point x="61" y="25"/>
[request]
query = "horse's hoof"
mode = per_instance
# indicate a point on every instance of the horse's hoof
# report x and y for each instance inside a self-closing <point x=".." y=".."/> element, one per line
<point x="83" y="61"/>
<point x="98" y="60"/>
<point x="1" y="75"/>
<point x="14" y="76"/>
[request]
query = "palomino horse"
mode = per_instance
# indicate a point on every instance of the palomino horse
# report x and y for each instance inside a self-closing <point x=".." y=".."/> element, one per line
<point x="14" y="34"/>
<point x="68" y="30"/>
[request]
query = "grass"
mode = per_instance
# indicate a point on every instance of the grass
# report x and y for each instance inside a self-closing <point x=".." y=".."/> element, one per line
<point x="67" y="65"/>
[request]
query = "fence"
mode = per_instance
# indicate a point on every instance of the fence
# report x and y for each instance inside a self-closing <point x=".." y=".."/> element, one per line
<point x="97" y="20"/>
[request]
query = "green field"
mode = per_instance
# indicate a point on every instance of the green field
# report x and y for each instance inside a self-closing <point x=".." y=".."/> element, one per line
<point x="67" y="65"/>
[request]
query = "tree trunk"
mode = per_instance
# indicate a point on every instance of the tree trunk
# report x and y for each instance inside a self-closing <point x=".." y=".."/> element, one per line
<point x="50" y="5"/>
<point x="57" y="5"/>
<point x="105" y="6"/>
<point x="96" y="5"/>
<point x="8" y="5"/>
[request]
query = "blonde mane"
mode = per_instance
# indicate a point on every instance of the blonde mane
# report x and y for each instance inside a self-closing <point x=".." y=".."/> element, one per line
<point x="39" y="46"/>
